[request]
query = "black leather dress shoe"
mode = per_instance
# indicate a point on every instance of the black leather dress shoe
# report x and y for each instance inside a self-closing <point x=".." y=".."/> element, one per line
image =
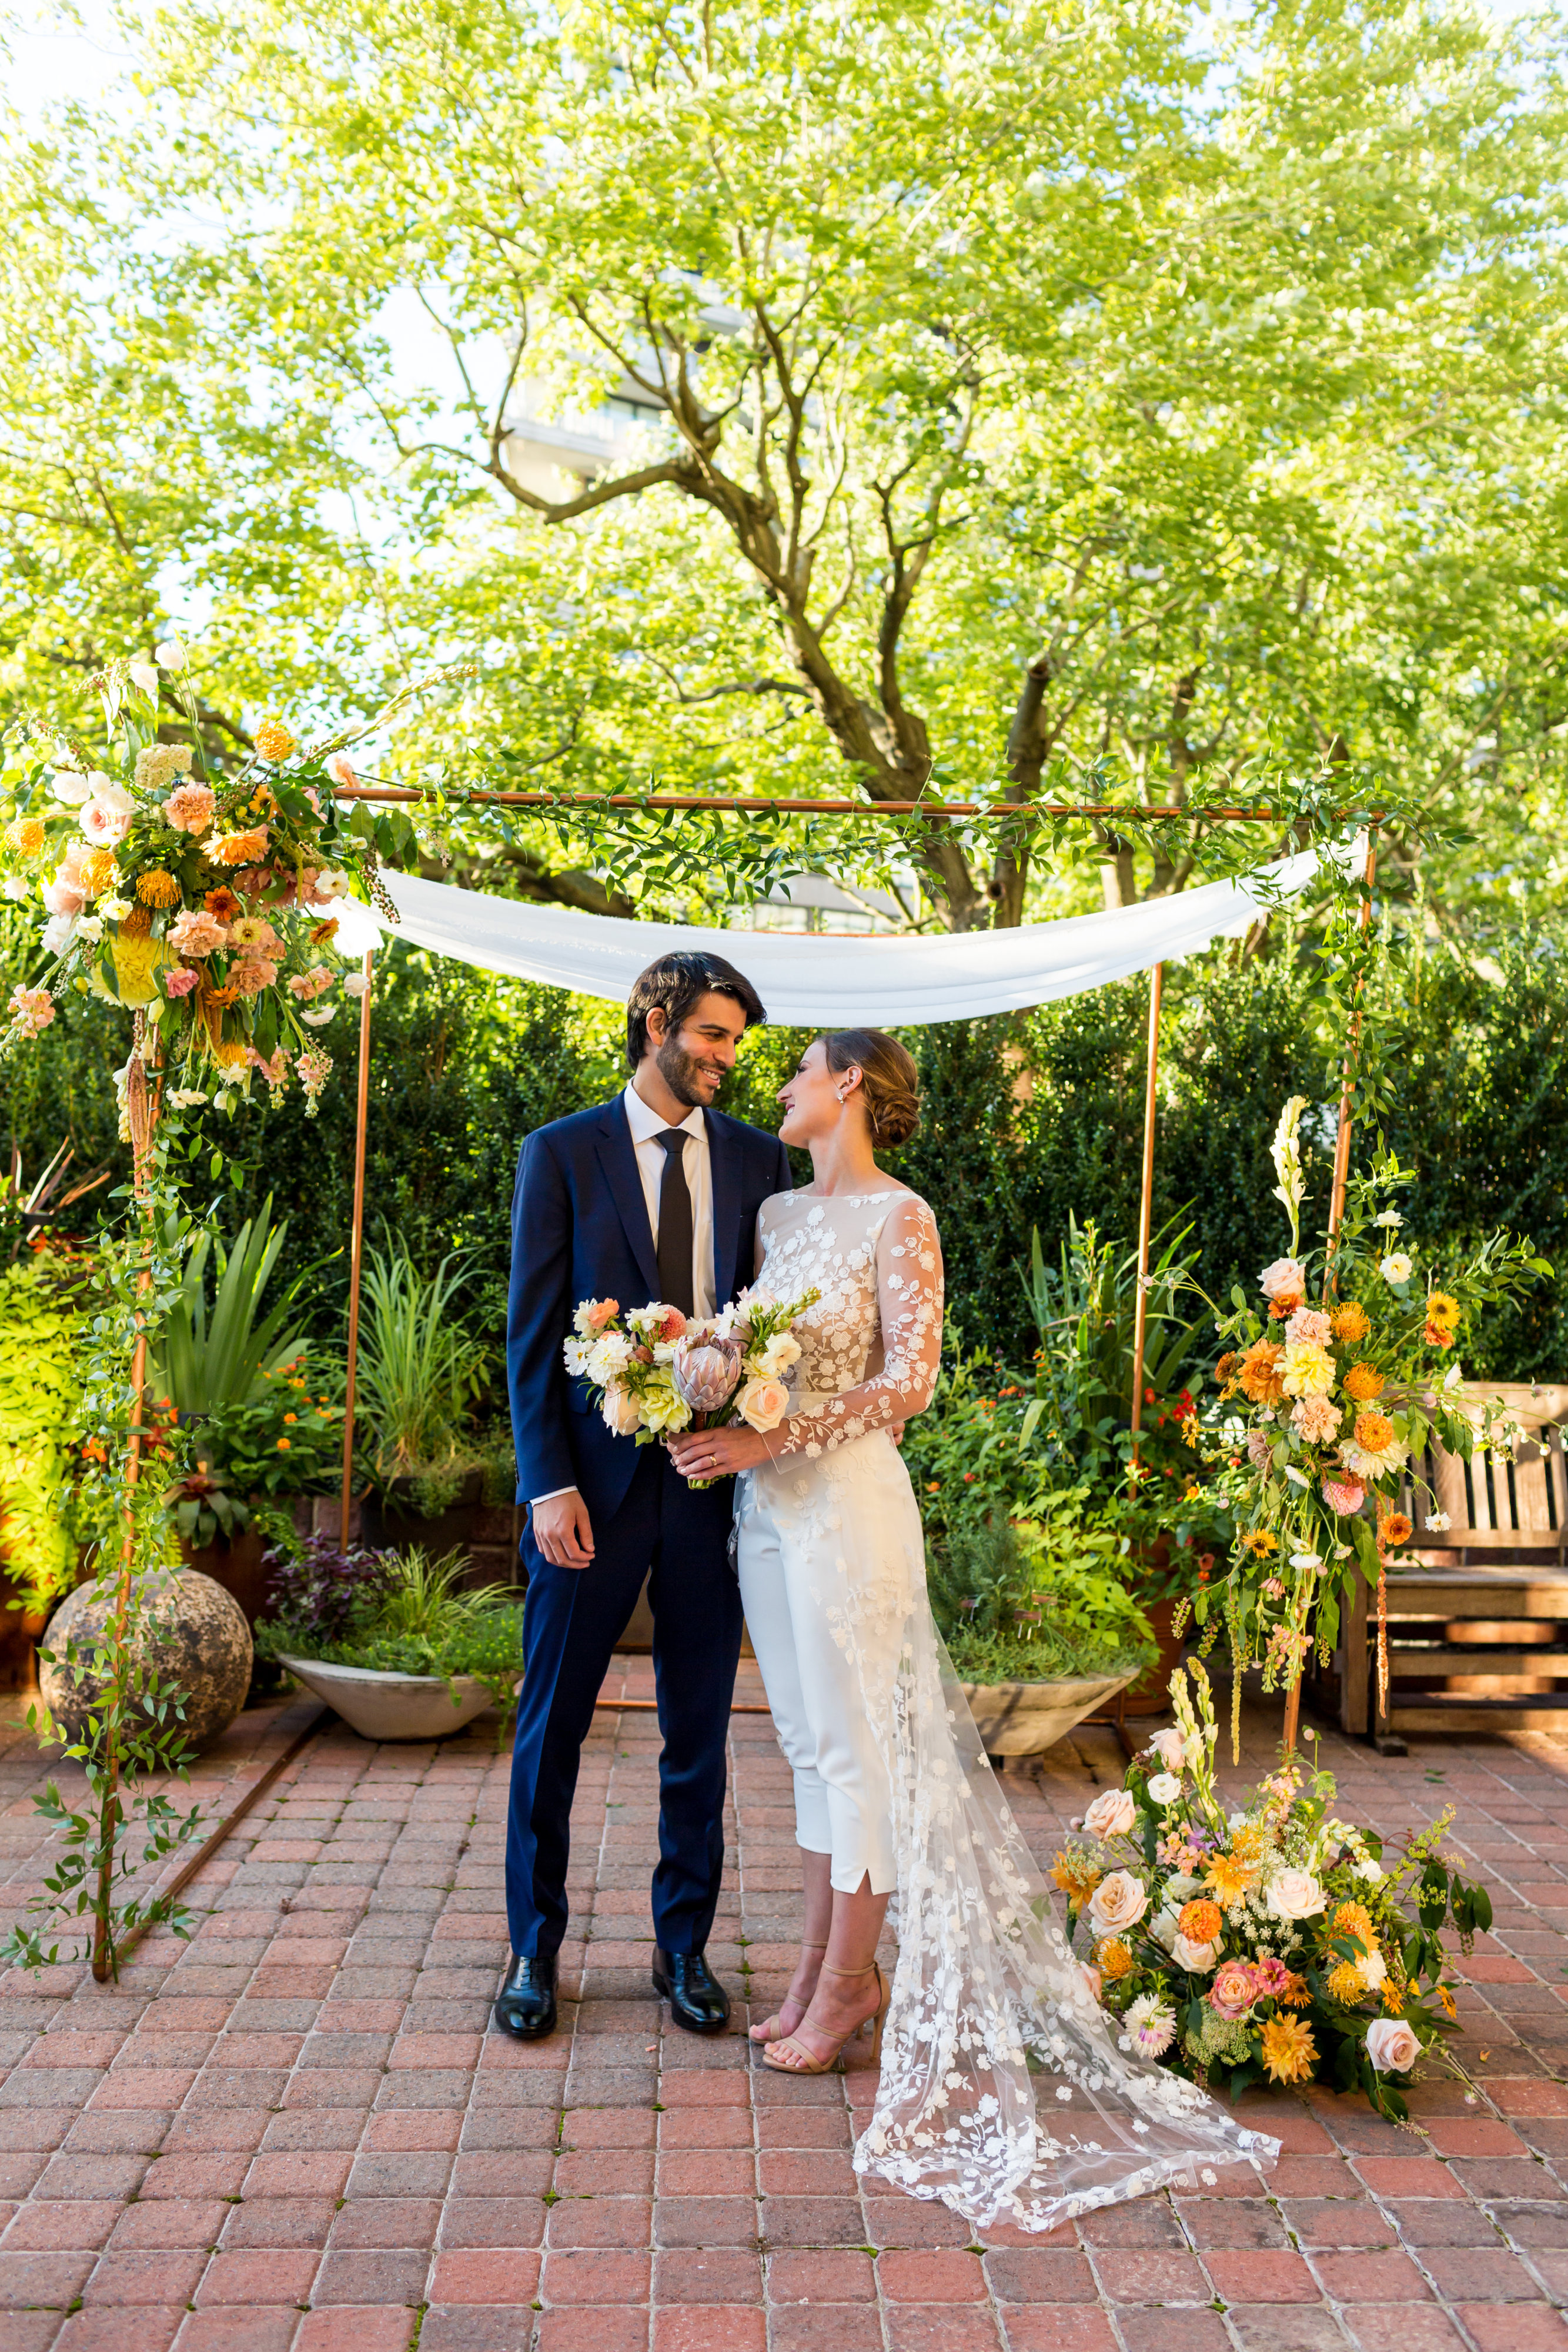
<point x="526" y="2008"/>
<point x="697" y="1999"/>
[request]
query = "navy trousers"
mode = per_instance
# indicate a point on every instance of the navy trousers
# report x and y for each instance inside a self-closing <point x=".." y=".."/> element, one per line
<point x="572" y="1620"/>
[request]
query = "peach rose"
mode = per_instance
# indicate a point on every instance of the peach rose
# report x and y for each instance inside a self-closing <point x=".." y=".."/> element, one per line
<point x="620" y="1411"/>
<point x="1112" y="1815"/>
<point x="762" y="1405"/>
<point x="1392" y="2045"/>
<point x="1195" y="1959"/>
<point x="1118" y="1902"/>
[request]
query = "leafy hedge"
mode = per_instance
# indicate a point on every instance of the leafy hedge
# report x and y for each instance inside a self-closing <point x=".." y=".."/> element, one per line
<point x="1026" y="1118"/>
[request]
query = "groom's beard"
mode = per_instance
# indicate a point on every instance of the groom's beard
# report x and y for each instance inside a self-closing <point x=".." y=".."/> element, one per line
<point x="689" y="1078"/>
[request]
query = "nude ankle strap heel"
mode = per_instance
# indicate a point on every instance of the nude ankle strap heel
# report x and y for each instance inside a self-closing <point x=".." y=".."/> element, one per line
<point x="802" y="2063"/>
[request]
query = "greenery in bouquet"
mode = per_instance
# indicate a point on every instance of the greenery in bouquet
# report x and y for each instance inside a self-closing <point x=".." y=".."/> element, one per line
<point x="394" y="1613"/>
<point x="1324" y="1411"/>
<point x="1264" y="1940"/>
<point x="1041" y="1597"/>
<point x="201" y="897"/>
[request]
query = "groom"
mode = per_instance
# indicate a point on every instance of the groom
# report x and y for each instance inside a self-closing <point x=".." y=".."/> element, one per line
<point x="652" y="1196"/>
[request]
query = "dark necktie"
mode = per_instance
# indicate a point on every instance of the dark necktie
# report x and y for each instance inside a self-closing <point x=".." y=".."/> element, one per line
<point x="675" y="1224"/>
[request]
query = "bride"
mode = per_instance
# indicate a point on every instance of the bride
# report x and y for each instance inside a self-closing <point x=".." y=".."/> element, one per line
<point x="1004" y="2090"/>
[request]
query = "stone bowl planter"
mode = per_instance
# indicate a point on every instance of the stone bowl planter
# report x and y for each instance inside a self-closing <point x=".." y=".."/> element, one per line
<point x="380" y="1706"/>
<point x="1025" y="1718"/>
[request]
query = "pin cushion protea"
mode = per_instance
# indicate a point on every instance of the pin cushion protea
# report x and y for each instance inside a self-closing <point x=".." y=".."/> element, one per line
<point x="273" y="740"/>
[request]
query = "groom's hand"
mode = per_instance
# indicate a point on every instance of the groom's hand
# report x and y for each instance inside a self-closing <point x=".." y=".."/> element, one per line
<point x="562" y="1530"/>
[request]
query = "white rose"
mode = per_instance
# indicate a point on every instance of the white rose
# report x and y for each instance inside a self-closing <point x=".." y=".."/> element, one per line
<point x="1168" y="1746"/>
<point x="1195" y="1959"/>
<point x="1392" y="2045"/>
<point x="109" y="794"/>
<point x="57" y="933"/>
<point x="621" y="1411"/>
<point x="1112" y="1815"/>
<point x="1118" y="1902"/>
<point x="355" y="984"/>
<point x="1180" y="1888"/>
<point x="1395" y="1267"/>
<point x="1293" y="1895"/>
<point x="1163" y="1928"/>
<point x="1164" y="1788"/>
<point x="71" y="788"/>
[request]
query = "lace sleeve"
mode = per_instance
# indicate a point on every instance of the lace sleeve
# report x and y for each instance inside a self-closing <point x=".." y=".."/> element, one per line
<point x="909" y="1303"/>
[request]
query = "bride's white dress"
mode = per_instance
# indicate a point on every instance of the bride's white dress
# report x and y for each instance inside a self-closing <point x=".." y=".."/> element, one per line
<point x="1005" y="2091"/>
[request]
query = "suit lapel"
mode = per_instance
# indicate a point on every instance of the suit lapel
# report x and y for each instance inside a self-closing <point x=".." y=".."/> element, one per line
<point x="618" y="1159"/>
<point x="724" y="1167"/>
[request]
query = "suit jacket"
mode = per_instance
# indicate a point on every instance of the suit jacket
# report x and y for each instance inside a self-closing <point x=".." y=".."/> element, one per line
<point x="581" y="1230"/>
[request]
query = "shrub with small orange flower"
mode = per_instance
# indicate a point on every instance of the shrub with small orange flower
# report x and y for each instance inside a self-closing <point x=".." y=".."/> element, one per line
<point x="1288" y="2050"/>
<point x="1350" y="1322"/>
<point x="26" y="835"/>
<point x="1200" y="1920"/>
<point x="1259" y="1374"/>
<point x="1393" y="1993"/>
<point x="157" y="889"/>
<point x="273" y="740"/>
<point x="1363" y="1381"/>
<point x="1261" y="1542"/>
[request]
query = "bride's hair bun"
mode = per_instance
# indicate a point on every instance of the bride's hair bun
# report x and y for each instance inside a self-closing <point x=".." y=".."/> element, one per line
<point x="889" y="1083"/>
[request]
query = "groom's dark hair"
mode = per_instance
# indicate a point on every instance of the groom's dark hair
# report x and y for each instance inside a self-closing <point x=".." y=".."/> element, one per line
<point x="675" y="983"/>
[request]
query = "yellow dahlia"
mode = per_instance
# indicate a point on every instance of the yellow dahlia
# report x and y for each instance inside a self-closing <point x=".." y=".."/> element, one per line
<point x="1114" y="1960"/>
<point x="158" y="888"/>
<point x="1288" y="2050"/>
<point x="1230" y="1877"/>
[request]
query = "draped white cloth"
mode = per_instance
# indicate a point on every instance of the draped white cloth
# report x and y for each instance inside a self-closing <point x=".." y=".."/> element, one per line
<point x="835" y="983"/>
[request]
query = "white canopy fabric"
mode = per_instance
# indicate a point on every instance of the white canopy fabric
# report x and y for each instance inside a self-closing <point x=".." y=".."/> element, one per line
<point x="834" y="982"/>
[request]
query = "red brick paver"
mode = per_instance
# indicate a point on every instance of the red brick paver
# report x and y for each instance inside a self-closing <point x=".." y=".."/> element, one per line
<point x="295" y="2132"/>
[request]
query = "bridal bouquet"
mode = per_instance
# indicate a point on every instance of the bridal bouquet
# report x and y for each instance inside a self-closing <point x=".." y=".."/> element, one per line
<point x="204" y="900"/>
<point x="1264" y="1940"/>
<point x="1330" y="1386"/>
<point x="656" y="1373"/>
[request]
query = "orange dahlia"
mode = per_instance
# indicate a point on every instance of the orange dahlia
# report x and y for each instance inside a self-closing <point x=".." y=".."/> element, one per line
<point x="1374" y="1433"/>
<point x="273" y="740"/>
<point x="1394" y="1530"/>
<point x="1200" y="1921"/>
<point x="1258" y="1372"/>
<point x="240" y="848"/>
<point x="1287" y="2049"/>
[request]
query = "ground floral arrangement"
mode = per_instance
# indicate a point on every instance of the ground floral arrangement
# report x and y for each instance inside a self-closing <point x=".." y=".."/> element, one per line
<point x="1309" y="1450"/>
<point x="1267" y="1940"/>
<point x="203" y="901"/>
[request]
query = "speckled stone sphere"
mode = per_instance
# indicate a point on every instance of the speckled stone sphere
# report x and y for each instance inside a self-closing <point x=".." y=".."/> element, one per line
<point x="192" y="1632"/>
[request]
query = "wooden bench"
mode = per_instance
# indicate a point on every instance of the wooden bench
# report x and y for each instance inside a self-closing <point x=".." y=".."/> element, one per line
<point x="1478" y="1611"/>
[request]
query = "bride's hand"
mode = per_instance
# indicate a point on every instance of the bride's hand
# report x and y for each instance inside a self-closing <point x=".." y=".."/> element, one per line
<point x="718" y="1453"/>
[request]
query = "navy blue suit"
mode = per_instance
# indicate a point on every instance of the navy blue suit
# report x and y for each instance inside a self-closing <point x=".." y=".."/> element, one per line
<point x="581" y="1230"/>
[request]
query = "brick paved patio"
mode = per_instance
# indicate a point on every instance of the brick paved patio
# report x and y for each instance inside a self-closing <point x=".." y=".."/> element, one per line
<point x="295" y="2131"/>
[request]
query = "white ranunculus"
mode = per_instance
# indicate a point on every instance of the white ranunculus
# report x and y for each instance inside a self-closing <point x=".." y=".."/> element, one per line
<point x="1112" y="1815"/>
<point x="71" y="787"/>
<point x="89" y="928"/>
<point x="171" y="655"/>
<point x="144" y="673"/>
<point x="1164" y="1788"/>
<point x="332" y="882"/>
<point x="1389" y="1217"/>
<point x="1293" y="1895"/>
<point x="1392" y="2045"/>
<point x="1368" y="1869"/>
<point x="1119" y="1901"/>
<point x="1395" y="1267"/>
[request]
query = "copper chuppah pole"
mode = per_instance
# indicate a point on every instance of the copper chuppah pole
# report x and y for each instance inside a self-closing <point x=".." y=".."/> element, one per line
<point x="1145" y="1205"/>
<point x="356" y="1250"/>
<point x="1337" y="1211"/>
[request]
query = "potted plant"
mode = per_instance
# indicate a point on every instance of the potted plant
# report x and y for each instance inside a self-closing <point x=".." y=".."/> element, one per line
<point x="266" y="1422"/>
<point x="1039" y="1620"/>
<point x="391" y="1640"/>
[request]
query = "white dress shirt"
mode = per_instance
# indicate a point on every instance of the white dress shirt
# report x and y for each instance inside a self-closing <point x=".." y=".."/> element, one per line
<point x="695" y="1158"/>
